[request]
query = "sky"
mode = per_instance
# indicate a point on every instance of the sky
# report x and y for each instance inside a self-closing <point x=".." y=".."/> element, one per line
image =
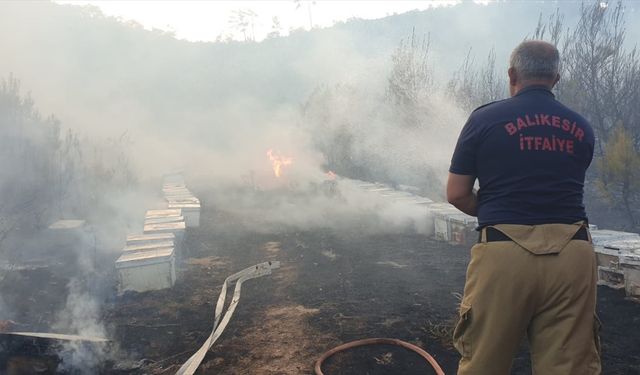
<point x="249" y="20"/>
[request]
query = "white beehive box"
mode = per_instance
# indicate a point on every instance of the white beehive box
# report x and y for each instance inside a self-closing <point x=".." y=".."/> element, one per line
<point x="606" y="257"/>
<point x="147" y="270"/>
<point x="630" y="266"/>
<point x="68" y="234"/>
<point x="190" y="211"/>
<point x="176" y="228"/>
<point x="609" y="254"/>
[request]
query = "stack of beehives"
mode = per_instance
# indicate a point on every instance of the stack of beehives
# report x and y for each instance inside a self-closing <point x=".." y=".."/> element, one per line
<point x="618" y="256"/>
<point x="446" y="222"/>
<point x="617" y="253"/>
<point x="148" y="259"/>
<point x="179" y="197"/>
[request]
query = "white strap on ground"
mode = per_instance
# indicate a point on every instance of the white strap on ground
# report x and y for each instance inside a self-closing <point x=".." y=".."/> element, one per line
<point x="262" y="269"/>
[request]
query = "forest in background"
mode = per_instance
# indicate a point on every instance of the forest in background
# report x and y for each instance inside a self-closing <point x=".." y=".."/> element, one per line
<point x="380" y="100"/>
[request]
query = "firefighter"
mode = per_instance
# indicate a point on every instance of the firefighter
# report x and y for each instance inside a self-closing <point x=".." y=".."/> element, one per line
<point x="533" y="271"/>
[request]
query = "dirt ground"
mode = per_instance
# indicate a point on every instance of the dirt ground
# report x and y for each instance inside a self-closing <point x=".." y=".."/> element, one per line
<point x="332" y="287"/>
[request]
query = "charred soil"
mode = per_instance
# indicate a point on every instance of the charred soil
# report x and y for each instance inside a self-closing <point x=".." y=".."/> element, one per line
<point x="332" y="287"/>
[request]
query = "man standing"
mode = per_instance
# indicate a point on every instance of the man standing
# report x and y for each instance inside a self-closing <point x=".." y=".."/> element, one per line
<point x="533" y="271"/>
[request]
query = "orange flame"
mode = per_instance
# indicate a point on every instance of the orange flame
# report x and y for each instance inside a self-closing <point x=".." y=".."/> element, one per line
<point x="278" y="162"/>
<point x="331" y="175"/>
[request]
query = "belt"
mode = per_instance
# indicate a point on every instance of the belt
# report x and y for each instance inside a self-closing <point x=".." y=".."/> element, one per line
<point x="493" y="235"/>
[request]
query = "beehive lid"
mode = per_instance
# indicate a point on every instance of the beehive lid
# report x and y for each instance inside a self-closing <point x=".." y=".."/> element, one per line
<point x="163" y="213"/>
<point x="183" y="199"/>
<point x="174" y="186"/>
<point x="166" y="189"/>
<point x="149" y="246"/>
<point x="164" y="226"/>
<point x="67" y="224"/>
<point x="150" y="237"/>
<point x="184" y="206"/>
<point x="166" y="219"/>
<point x="129" y="259"/>
<point x="180" y="198"/>
<point x="177" y="192"/>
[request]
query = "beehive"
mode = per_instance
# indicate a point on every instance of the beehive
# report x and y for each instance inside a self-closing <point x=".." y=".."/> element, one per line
<point x="146" y="270"/>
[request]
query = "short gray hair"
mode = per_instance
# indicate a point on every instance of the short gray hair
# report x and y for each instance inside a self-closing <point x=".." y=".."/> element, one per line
<point x="535" y="59"/>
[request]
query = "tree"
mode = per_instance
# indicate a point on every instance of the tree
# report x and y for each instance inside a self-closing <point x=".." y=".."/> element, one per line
<point x="620" y="168"/>
<point x="600" y="73"/>
<point x="276" y="28"/>
<point x="298" y="4"/>
<point x="471" y="87"/>
<point x="43" y="173"/>
<point x="411" y="80"/>
<point x="600" y="77"/>
<point x="243" y="21"/>
<point x="28" y="160"/>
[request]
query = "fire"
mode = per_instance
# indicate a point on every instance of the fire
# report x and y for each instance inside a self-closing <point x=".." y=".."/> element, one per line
<point x="278" y="162"/>
<point x="331" y="175"/>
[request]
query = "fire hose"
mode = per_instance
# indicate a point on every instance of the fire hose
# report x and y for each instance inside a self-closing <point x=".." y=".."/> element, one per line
<point x="220" y="322"/>
<point x="378" y="341"/>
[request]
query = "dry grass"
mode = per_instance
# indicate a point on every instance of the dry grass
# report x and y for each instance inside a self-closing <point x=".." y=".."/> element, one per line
<point x="443" y="331"/>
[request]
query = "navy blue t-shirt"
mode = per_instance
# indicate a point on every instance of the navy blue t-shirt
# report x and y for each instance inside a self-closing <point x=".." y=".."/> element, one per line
<point x="530" y="154"/>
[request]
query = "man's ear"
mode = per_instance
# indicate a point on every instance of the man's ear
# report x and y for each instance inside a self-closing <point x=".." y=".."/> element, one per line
<point x="513" y="76"/>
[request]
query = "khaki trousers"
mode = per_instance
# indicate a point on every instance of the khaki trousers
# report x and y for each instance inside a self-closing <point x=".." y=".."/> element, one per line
<point x="541" y="285"/>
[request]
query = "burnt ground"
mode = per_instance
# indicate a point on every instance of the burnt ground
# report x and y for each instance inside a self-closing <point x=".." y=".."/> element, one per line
<point x="332" y="287"/>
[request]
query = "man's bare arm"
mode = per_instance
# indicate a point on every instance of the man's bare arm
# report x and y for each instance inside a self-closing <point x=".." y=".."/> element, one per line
<point x="460" y="193"/>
